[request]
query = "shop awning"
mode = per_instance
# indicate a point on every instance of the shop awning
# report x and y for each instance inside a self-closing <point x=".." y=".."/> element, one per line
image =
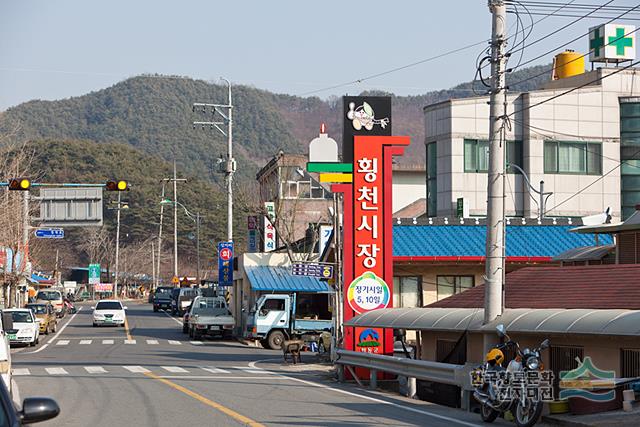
<point x="545" y="321"/>
<point x="279" y="279"/>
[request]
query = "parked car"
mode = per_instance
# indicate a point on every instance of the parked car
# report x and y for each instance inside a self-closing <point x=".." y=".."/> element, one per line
<point x="109" y="312"/>
<point x="34" y="409"/>
<point x="25" y="327"/>
<point x="181" y="299"/>
<point x="210" y="316"/>
<point x="162" y="298"/>
<point x="54" y="297"/>
<point x="185" y="320"/>
<point x="45" y="316"/>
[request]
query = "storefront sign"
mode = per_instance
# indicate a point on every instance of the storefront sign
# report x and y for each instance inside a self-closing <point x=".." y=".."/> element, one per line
<point x="225" y="263"/>
<point x="103" y="287"/>
<point x="269" y="237"/>
<point x="368" y="292"/>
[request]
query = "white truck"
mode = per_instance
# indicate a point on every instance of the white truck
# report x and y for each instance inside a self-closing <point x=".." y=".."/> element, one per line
<point x="210" y="316"/>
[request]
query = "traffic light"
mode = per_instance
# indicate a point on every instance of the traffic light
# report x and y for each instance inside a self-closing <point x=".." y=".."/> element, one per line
<point x="117" y="186"/>
<point x="19" y="184"/>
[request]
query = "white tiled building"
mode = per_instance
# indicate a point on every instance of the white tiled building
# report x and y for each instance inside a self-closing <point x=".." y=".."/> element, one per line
<point x="572" y="142"/>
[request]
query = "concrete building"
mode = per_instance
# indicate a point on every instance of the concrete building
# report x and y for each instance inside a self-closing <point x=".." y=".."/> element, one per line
<point x="574" y="143"/>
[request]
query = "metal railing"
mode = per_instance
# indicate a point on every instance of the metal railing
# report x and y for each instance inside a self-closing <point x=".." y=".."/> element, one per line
<point x="445" y="373"/>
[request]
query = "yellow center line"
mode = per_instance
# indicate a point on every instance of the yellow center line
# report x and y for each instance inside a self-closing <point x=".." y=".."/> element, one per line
<point x="227" y="411"/>
<point x="126" y="329"/>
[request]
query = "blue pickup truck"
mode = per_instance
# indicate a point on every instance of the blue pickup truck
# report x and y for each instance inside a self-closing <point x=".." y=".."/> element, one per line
<point x="277" y="317"/>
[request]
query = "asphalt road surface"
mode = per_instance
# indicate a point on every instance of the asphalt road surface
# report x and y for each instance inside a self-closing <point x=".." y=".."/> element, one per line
<point x="150" y="374"/>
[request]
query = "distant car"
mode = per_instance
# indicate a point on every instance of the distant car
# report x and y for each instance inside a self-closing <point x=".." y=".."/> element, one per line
<point x="25" y="327"/>
<point x="34" y="409"/>
<point x="54" y="297"/>
<point x="109" y="312"/>
<point x="162" y="298"/>
<point x="45" y="316"/>
<point x="181" y="299"/>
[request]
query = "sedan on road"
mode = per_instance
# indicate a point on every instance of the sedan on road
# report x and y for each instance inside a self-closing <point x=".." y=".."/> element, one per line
<point x="109" y="312"/>
<point x="45" y="316"/>
<point x="25" y="327"/>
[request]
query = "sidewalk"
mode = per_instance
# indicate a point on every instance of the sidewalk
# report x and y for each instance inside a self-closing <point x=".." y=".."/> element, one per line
<point x="611" y="418"/>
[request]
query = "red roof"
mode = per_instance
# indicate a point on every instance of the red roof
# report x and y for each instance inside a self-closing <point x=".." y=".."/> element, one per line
<point x="593" y="286"/>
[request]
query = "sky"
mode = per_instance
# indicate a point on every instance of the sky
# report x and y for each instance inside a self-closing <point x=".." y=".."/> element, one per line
<point x="54" y="49"/>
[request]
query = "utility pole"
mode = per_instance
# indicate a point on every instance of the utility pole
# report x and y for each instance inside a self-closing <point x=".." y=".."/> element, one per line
<point x="175" y="222"/>
<point x="494" y="273"/>
<point x="26" y="272"/>
<point x="228" y="166"/>
<point x="198" y="246"/>
<point x="157" y="281"/>
<point x="153" y="264"/>
<point x="115" y="282"/>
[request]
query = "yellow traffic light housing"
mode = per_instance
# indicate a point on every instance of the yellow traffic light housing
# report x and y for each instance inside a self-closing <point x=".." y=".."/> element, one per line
<point x="117" y="185"/>
<point x="19" y="184"/>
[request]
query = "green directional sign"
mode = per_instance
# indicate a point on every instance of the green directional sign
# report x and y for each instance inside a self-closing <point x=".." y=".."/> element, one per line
<point x="94" y="274"/>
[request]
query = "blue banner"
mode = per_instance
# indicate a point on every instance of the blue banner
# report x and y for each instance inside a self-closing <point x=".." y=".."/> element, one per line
<point x="225" y="264"/>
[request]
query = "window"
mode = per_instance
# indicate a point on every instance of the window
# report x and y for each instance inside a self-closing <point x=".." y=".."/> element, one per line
<point x="476" y="155"/>
<point x="450" y="285"/>
<point x="407" y="291"/>
<point x="583" y="158"/>
<point x="432" y="179"/>
<point x="448" y="351"/>
<point x="630" y="362"/>
<point x="272" y="305"/>
<point x="563" y="358"/>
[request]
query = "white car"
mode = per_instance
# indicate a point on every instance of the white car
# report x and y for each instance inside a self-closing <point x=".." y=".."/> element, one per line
<point x="26" y="328"/>
<point x="109" y="312"/>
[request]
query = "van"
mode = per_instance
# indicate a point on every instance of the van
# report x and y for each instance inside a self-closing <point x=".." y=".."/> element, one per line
<point x="54" y="297"/>
<point x="181" y="299"/>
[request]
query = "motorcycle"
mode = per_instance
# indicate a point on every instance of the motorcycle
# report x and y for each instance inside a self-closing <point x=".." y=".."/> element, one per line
<point x="69" y="306"/>
<point x="490" y="393"/>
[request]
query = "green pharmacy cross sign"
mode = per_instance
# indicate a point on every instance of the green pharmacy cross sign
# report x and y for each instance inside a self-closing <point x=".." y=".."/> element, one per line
<point x="612" y="43"/>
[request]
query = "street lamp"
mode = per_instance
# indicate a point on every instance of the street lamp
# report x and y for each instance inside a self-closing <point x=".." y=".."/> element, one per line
<point x="196" y="219"/>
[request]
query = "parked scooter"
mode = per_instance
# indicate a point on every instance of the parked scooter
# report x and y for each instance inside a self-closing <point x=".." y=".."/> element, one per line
<point x="491" y="393"/>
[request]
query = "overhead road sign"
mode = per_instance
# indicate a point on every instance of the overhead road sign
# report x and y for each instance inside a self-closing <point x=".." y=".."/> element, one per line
<point x="312" y="269"/>
<point x="49" y="233"/>
<point x="69" y="207"/>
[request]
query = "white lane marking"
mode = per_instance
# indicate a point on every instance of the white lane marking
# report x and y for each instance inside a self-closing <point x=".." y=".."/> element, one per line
<point x="369" y="398"/>
<point x="107" y="341"/>
<point x="95" y="369"/>
<point x="152" y="342"/>
<point x="175" y="369"/>
<point x="214" y="370"/>
<point x="196" y="342"/>
<point x="173" y="342"/>
<point x="251" y="369"/>
<point x="213" y="377"/>
<point x="56" y="335"/>
<point x="179" y="322"/>
<point x="85" y="342"/>
<point x="136" y="369"/>
<point x="20" y="371"/>
<point x="62" y="342"/>
<point x="129" y="341"/>
<point x="56" y="371"/>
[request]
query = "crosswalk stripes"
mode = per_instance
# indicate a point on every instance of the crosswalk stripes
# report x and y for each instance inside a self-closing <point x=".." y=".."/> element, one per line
<point x="95" y="369"/>
<point x="107" y="341"/>
<point x="174" y="342"/>
<point x="152" y="342"/>
<point x="136" y="369"/>
<point x="175" y="369"/>
<point x="250" y="370"/>
<point x="85" y="342"/>
<point x="20" y="371"/>
<point x="112" y="341"/>
<point x="196" y="342"/>
<point x="129" y="341"/>
<point x="213" y="370"/>
<point x="62" y="342"/>
<point x="56" y="371"/>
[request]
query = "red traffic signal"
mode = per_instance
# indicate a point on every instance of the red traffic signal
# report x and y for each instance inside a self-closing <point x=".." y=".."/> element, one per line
<point x="117" y="186"/>
<point x="19" y="184"/>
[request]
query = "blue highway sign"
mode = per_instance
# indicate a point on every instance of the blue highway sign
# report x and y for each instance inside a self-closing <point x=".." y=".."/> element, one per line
<point x="49" y="233"/>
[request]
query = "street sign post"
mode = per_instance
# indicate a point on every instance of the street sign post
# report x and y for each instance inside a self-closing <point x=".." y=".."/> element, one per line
<point x="225" y="264"/>
<point x="312" y="269"/>
<point x="94" y="274"/>
<point x="49" y="233"/>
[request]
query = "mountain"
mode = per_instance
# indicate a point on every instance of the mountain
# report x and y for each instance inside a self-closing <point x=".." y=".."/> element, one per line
<point x="153" y="114"/>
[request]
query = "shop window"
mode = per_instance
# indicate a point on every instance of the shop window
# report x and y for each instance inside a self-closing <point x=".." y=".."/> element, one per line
<point x="407" y="291"/>
<point x="581" y="158"/>
<point x="451" y="285"/>
<point x="476" y="155"/>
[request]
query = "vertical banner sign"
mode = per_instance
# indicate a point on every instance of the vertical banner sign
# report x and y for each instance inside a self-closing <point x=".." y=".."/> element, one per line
<point x="225" y="264"/>
<point x="252" y="226"/>
<point x="269" y="237"/>
<point x="325" y="235"/>
<point x="94" y="274"/>
<point x="368" y="240"/>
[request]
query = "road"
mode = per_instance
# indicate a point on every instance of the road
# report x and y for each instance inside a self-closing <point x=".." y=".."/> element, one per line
<point x="150" y="374"/>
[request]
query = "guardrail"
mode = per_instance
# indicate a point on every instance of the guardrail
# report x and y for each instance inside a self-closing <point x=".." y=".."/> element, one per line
<point x="445" y="373"/>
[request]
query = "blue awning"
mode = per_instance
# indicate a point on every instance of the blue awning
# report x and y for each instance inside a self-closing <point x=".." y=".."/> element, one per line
<point x="280" y="279"/>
